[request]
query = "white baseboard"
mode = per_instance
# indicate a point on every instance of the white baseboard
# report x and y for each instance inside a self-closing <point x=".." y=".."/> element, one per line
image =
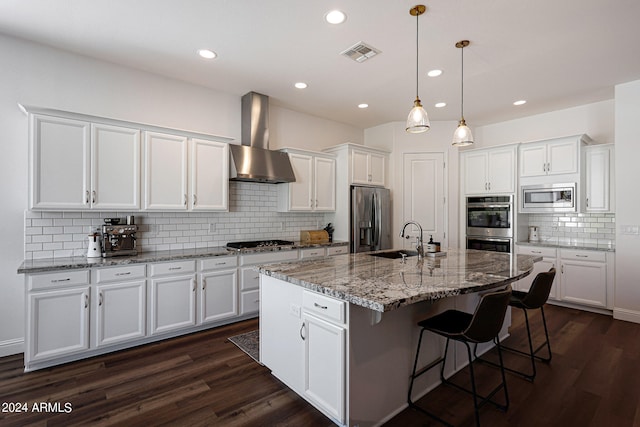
<point x="626" y="315"/>
<point x="9" y="347"/>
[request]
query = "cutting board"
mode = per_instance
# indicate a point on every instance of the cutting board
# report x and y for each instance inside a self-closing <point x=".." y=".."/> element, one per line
<point x="314" y="236"/>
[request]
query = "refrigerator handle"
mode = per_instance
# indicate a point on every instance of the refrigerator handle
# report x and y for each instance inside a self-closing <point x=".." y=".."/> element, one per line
<point x="375" y="216"/>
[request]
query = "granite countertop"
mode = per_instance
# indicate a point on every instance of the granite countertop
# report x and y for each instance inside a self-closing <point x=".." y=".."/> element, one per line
<point x="383" y="284"/>
<point x="72" y="263"/>
<point x="568" y="244"/>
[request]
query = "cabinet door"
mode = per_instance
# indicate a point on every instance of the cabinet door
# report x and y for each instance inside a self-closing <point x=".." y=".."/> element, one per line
<point x="360" y="167"/>
<point x="598" y="178"/>
<point x="282" y="331"/>
<point x="324" y="184"/>
<point x="301" y="191"/>
<point x="58" y="323"/>
<point x="59" y="163"/>
<point x="545" y="265"/>
<point x="120" y="312"/>
<point x="475" y="173"/>
<point x="377" y="173"/>
<point x="584" y="283"/>
<point x="165" y="171"/>
<point x="218" y="295"/>
<point x="172" y="303"/>
<point x="562" y="157"/>
<point x="115" y="167"/>
<point x="325" y="365"/>
<point x="501" y="171"/>
<point x="209" y="175"/>
<point x="533" y="159"/>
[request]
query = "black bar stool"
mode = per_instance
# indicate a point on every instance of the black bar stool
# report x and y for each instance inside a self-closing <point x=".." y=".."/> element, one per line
<point x="481" y="326"/>
<point x="535" y="298"/>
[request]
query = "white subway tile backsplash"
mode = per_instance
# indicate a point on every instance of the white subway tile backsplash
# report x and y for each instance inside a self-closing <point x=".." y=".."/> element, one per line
<point x="252" y="215"/>
<point x="583" y="227"/>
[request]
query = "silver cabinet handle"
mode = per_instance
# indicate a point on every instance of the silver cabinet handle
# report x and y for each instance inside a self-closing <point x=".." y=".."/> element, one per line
<point x="100" y="299"/>
<point x="86" y="197"/>
<point x="536" y="252"/>
<point x="194" y="284"/>
<point x="562" y="269"/>
<point x="123" y="274"/>
<point x="175" y="268"/>
<point x="93" y="196"/>
<point x="587" y="202"/>
<point x="67" y="279"/>
<point x="195" y="200"/>
<point x="86" y="301"/>
<point x="582" y="256"/>
<point x="204" y="284"/>
<point x="324" y="307"/>
<point x="302" y="329"/>
<point x="310" y="203"/>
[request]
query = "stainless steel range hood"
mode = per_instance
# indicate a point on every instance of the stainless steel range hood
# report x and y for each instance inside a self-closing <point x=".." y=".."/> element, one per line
<point x="253" y="161"/>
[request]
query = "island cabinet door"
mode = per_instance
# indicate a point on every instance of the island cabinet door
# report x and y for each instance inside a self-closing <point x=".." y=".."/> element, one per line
<point x="325" y="366"/>
<point x="282" y="331"/>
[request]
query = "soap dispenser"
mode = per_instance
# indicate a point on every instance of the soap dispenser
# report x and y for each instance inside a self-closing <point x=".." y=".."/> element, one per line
<point x="431" y="246"/>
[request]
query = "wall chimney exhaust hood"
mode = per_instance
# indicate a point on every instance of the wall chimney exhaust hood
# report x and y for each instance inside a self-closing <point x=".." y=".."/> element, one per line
<point x="253" y="161"/>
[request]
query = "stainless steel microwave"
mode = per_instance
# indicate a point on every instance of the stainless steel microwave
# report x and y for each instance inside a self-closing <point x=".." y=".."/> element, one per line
<point x="548" y="198"/>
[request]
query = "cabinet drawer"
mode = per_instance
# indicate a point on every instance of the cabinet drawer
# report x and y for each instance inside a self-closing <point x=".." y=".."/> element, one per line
<point x="249" y="279"/>
<point x="169" y="268"/>
<point x="595" y="256"/>
<point x="218" y="263"/>
<point x="267" y="257"/>
<point x="534" y="250"/>
<point x="58" y="280"/>
<point x="329" y="308"/>
<point x="119" y="274"/>
<point x="249" y="302"/>
<point x="311" y="253"/>
<point x="337" y="250"/>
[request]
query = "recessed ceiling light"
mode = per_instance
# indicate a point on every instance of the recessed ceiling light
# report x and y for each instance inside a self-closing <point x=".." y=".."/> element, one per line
<point x="434" y="73"/>
<point x="363" y="105"/>
<point x="335" y="17"/>
<point x="441" y="104"/>
<point x="301" y="85"/>
<point x="207" y="54"/>
<point x="521" y="102"/>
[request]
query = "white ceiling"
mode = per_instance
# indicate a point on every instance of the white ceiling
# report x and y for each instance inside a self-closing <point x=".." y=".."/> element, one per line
<point x="555" y="54"/>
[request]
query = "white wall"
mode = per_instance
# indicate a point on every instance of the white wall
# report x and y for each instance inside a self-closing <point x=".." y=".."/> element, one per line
<point x="37" y="75"/>
<point x="627" y="175"/>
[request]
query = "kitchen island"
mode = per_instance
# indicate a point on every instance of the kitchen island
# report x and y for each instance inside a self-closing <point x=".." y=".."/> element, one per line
<point x="341" y="331"/>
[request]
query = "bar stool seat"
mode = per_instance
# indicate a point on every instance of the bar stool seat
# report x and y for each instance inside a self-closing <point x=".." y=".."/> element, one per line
<point x="481" y="326"/>
<point x="535" y="298"/>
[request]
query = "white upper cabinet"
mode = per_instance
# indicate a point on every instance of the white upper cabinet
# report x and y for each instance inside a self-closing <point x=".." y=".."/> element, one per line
<point x="60" y="161"/>
<point x="165" y="171"/>
<point x="115" y="167"/>
<point x="209" y="175"/>
<point x="78" y="165"/>
<point x="368" y="167"/>
<point x="553" y="157"/>
<point x="598" y="178"/>
<point x="489" y="171"/>
<point x="315" y="185"/>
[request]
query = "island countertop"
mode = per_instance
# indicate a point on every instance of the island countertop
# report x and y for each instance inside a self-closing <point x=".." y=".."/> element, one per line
<point x="383" y="284"/>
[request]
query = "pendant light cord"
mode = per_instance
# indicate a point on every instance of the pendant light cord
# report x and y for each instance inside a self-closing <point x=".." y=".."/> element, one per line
<point x="417" y="57"/>
<point x="462" y="84"/>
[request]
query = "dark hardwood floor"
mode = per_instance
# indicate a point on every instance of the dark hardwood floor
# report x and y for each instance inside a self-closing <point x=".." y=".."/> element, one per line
<point x="203" y="379"/>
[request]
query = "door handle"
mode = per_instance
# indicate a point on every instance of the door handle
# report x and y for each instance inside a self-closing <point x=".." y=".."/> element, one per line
<point x="302" y="329"/>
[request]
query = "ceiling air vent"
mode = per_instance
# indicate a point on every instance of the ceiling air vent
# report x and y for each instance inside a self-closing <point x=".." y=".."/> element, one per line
<point x="360" y="52"/>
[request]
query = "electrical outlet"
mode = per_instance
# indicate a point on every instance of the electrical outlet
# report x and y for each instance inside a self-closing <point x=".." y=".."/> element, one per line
<point x="281" y="226"/>
<point x="294" y="310"/>
<point x="212" y="228"/>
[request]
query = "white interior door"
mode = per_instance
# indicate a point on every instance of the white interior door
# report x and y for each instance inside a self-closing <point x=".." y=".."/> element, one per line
<point x="423" y="196"/>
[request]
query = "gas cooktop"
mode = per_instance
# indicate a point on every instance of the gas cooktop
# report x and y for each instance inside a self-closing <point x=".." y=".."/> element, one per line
<point x="258" y="244"/>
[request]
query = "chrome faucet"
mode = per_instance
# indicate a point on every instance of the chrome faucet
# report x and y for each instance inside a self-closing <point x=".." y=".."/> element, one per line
<point x="419" y="247"/>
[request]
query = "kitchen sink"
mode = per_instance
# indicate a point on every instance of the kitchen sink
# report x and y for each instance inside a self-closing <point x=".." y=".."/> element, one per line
<point x="395" y="254"/>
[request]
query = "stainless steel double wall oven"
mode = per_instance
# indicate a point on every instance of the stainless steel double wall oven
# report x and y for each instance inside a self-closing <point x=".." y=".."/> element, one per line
<point x="490" y="223"/>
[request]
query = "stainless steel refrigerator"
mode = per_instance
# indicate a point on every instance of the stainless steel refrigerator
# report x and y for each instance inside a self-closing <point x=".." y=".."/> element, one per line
<point x="370" y="219"/>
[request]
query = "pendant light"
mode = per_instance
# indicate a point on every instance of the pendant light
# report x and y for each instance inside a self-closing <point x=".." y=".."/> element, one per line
<point x="418" y="120"/>
<point x="462" y="136"/>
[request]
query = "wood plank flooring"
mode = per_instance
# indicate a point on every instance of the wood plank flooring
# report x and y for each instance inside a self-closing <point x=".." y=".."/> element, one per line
<point x="202" y="379"/>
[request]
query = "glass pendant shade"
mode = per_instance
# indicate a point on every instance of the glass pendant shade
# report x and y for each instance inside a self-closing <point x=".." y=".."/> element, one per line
<point x="462" y="136"/>
<point x="418" y="120"/>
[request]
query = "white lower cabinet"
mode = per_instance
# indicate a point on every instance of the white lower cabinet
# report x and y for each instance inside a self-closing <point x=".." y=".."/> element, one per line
<point x="549" y="261"/>
<point x="172" y="296"/>
<point x="120" y="312"/>
<point x="303" y="339"/>
<point x="57" y="323"/>
<point x="218" y="289"/>
<point x="584" y="277"/>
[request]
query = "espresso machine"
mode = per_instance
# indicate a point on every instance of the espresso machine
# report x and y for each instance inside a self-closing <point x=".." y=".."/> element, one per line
<point x="119" y="239"/>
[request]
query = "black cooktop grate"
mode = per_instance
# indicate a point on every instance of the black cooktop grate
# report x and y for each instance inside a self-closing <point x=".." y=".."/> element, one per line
<point x="258" y="244"/>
